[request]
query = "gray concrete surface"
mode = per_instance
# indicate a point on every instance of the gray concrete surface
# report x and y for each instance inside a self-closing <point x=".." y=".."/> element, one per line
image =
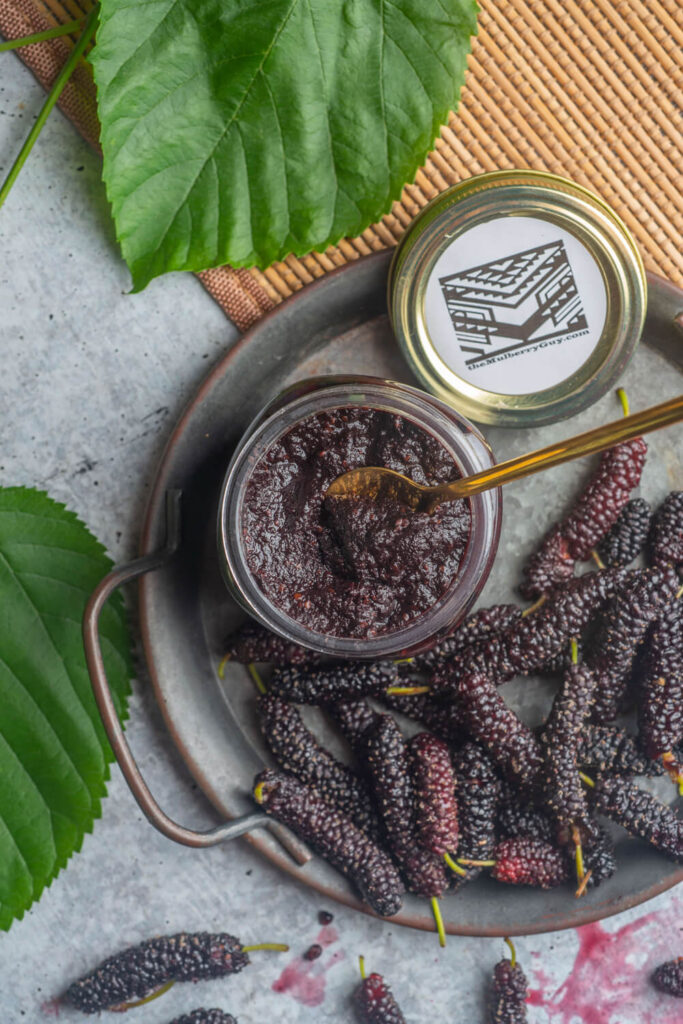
<point x="92" y="380"/>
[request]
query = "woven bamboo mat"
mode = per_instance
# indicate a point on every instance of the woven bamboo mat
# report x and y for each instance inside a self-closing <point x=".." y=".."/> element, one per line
<point x="590" y="89"/>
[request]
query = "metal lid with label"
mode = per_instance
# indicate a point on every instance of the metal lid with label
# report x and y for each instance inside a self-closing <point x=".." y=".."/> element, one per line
<point x="518" y="297"/>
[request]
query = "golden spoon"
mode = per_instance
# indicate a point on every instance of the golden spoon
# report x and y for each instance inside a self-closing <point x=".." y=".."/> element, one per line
<point x="378" y="483"/>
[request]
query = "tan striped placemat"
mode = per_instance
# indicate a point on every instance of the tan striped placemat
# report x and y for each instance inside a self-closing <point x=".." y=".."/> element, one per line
<point x="591" y="89"/>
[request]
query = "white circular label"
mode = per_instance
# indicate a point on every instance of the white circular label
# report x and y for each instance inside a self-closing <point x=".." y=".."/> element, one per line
<point x="515" y="305"/>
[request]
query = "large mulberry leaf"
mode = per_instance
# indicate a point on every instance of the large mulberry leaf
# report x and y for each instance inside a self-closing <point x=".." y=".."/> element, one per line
<point x="54" y="755"/>
<point x="238" y="131"/>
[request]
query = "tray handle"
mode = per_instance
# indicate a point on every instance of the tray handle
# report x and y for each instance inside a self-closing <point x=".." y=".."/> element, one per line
<point x="93" y="655"/>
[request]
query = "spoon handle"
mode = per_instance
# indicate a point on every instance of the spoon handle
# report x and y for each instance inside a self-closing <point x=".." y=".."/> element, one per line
<point x="592" y="441"/>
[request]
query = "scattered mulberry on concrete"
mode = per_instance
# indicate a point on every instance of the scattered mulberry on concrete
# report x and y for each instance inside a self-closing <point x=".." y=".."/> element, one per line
<point x="509" y="994"/>
<point x="137" y="971"/>
<point x="373" y="1002"/>
<point x="668" y="977"/>
<point x="479" y="794"/>
<point x="205" y="1017"/>
<point x="660" y="704"/>
<point x="550" y="565"/>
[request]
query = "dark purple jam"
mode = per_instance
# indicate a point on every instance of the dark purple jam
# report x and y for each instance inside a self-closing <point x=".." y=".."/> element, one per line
<point x="351" y="567"/>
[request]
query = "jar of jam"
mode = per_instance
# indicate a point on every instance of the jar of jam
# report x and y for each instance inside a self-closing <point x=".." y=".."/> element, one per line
<point x="349" y="577"/>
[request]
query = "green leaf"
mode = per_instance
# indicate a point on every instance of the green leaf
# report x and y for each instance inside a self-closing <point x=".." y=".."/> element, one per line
<point x="238" y="131"/>
<point x="54" y="754"/>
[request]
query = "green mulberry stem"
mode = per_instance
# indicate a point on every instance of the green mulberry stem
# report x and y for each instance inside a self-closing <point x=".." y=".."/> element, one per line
<point x="513" y="952"/>
<point x="39" y="37"/>
<point x="361" y="965"/>
<point x="438" y="920"/>
<point x="122" y="1007"/>
<point x="453" y="866"/>
<point x="275" y="947"/>
<point x="253" y="672"/>
<point x="52" y="97"/>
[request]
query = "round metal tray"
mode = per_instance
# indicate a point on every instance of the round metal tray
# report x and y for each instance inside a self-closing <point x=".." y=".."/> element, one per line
<point x="339" y="324"/>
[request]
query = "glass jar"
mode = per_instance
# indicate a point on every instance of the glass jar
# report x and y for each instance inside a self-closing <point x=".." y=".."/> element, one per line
<point x="460" y="438"/>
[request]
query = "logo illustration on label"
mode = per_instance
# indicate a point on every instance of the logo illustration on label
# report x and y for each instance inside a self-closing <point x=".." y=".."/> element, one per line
<point x="510" y="303"/>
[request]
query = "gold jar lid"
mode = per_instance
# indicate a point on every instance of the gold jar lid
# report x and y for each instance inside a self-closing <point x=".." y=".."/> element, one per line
<point x="518" y="297"/>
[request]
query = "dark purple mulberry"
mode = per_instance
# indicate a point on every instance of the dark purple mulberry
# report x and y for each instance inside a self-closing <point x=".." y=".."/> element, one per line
<point x="297" y="751"/>
<point x="389" y="771"/>
<point x="333" y="683"/>
<point x="526" y="861"/>
<point x="550" y="565"/>
<point x="603" y="498"/>
<point x="137" y="971"/>
<point x="625" y="623"/>
<point x="355" y="718"/>
<point x="473" y="629"/>
<point x="515" y="819"/>
<point x="253" y="642"/>
<point x="666" y="534"/>
<point x="509" y="994"/>
<point x="537" y="637"/>
<point x="668" y="977"/>
<point x="335" y="837"/>
<point x="436" y="810"/>
<point x="205" y="1017"/>
<point x="479" y="792"/>
<point x="374" y="1003"/>
<point x="626" y="539"/>
<point x="598" y="854"/>
<point x="639" y="813"/>
<point x="444" y="720"/>
<point x="563" y="793"/>
<point x="660" y="707"/>
<point x="509" y="742"/>
<point x="608" y="749"/>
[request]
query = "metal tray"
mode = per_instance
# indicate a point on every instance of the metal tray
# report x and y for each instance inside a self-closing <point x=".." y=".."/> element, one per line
<point x="339" y="324"/>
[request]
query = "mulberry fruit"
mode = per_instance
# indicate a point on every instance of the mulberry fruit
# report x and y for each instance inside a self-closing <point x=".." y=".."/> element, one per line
<point x="536" y="638"/>
<point x="599" y="860"/>
<point x="665" y="542"/>
<point x="374" y="1003"/>
<point x="479" y="792"/>
<point x="334" y="683"/>
<point x="509" y="742"/>
<point x="335" y="837"/>
<point x="509" y="992"/>
<point x="563" y="794"/>
<point x="526" y="861"/>
<point x="604" y="497"/>
<point x="625" y="624"/>
<point x="444" y="720"/>
<point x="137" y="971"/>
<point x="639" y="813"/>
<point x="355" y="719"/>
<point x="668" y="977"/>
<point x="205" y="1017"/>
<point x="253" y="642"/>
<point x="436" y="811"/>
<point x="473" y="629"/>
<point x="609" y="750"/>
<point x="388" y="769"/>
<point x="660" y="707"/>
<point x="297" y="751"/>
<point x="626" y="539"/>
<point x="515" y="819"/>
<point x="550" y="565"/>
